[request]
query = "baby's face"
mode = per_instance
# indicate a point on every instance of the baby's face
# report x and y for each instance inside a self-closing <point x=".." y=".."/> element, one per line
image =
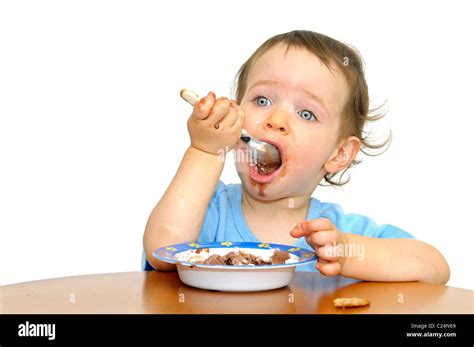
<point x="295" y="101"/>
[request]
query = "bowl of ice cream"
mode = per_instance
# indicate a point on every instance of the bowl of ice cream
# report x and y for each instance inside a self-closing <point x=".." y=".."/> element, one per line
<point x="235" y="266"/>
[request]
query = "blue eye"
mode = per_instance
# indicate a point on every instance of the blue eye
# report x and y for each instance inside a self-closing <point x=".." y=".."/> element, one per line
<point x="308" y="115"/>
<point x="262" y="101"/>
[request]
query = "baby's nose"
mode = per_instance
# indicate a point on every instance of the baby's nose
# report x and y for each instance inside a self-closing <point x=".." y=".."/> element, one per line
<point x="277" y="122"/>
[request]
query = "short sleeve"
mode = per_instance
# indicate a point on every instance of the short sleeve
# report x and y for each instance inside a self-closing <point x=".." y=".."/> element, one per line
<point x="214" y="214"/>
<point x="359" y="224"/>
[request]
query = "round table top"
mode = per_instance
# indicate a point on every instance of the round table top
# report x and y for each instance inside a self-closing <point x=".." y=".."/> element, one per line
<point x="163" y="292"/>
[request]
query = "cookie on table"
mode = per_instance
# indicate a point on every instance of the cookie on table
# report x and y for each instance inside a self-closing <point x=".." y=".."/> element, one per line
<point x="351" y="302"/>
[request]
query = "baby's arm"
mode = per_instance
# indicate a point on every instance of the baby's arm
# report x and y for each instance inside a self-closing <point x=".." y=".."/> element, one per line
<point x="372" y="259"/>
<point x="396" y="260"/>
<point x="179" y="214"/>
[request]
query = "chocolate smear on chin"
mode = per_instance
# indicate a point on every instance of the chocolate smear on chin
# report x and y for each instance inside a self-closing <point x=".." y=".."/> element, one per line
<point x="261" y="187"/>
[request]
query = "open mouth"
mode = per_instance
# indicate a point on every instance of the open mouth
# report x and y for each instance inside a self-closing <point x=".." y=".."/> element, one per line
<point x="266" y="169"/>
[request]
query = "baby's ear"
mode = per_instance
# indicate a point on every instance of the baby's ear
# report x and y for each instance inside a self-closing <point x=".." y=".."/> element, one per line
<point x="343" y="155"/>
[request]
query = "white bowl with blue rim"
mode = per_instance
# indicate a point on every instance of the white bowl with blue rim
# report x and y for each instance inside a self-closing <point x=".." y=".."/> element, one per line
<point x="188" y="258"/>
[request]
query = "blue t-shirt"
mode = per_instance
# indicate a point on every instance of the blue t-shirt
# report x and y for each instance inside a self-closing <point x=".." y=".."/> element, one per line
<point x="224" y="221"/>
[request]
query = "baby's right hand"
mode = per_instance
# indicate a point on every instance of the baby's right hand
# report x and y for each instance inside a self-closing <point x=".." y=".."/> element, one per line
<point x="215" y="125"/>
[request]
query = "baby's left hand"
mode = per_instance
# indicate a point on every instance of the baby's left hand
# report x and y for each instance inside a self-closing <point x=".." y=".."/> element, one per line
<point x="324" y="237"/>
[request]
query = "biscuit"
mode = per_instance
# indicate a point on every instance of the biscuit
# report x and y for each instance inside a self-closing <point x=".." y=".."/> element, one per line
<point x="351" y="302"/>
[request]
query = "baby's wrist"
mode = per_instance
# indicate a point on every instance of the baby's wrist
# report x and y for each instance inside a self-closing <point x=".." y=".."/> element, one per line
<point x="208" y="155"/>
<point x="342" y="242"/>
<point x="210" y="149"/>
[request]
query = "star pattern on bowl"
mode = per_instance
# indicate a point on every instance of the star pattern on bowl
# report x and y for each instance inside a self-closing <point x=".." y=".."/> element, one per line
<point x="294" y="249"/>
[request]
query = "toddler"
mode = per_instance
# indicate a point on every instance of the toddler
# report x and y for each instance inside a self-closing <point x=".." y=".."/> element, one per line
<point x="306" y="94"/>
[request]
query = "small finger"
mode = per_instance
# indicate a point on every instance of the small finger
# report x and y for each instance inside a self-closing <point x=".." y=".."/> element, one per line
<point x="328" y="268"/>
<point x="328" y="253"/>
<point x="239" y="122"/>
<point x="230" y="118"/>
<point x="219" y="111"/>
<point x="323" y="238"/>
<point x="306" y="227"/>
<point x="203" y="107"/>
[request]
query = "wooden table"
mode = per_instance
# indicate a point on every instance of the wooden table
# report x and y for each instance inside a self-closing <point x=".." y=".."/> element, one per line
<point x="161" y="292"/>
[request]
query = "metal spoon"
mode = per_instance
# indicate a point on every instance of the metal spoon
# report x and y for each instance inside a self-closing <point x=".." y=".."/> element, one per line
<point x="265" y="156"/>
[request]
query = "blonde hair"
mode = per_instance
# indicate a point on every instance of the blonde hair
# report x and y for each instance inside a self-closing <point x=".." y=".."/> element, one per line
<point x="346" y="59"/>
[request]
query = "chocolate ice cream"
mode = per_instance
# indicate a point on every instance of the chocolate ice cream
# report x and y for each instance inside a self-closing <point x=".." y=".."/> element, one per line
<point x="215" y="259"/>
<point x="279" y="257"/>
<point x="242" y="258"/>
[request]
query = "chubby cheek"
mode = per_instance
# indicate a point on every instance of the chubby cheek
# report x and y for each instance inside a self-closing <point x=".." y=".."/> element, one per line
<point x="253" y="119"/>
<point x="248" y="120"/>
<point x="304" y="164"/>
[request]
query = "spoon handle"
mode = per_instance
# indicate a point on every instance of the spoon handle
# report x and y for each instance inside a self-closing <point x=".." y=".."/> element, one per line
<point x="188" y="95"/>
<point x="192" y="98"/>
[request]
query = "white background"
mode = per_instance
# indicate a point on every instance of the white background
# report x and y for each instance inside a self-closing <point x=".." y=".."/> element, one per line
<point x="92" y="127"/>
